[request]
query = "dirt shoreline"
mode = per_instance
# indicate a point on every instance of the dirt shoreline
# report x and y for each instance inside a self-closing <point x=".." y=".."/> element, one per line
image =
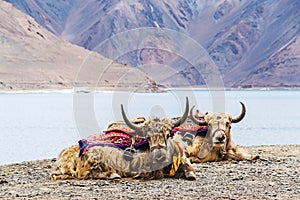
<point x="129" y="88"/>
<point x="276" y="176"/>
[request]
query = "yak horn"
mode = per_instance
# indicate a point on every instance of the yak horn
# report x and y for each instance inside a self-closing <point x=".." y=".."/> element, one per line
<point x="128" y="123"/>
<point x="184" y="116"/>
<point x="196" y="121"/>
<point x="241" y="116"/>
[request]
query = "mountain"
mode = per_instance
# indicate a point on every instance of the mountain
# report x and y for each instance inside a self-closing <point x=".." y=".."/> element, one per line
<point x="281" y="69"/>
<point x="34" y="58"/>
<point x="253" y="43"/>
<point x="52" y="14"/>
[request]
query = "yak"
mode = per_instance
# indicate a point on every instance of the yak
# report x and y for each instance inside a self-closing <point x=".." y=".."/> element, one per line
<point x="216" y="144"/>
<point x="164" y="158"/>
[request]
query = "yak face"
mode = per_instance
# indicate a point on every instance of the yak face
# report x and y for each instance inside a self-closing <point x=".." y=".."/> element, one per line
<point x="219" y="125"/>
<point x="157" y="132"/>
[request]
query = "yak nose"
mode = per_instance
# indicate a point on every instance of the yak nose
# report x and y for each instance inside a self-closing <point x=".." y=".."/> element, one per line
<point x="221" y="138"/>
<point x="159" y="155"/>
<point x="129" y="154"/>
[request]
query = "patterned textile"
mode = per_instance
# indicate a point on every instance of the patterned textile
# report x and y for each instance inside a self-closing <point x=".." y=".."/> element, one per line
<point x="117" y="135"/>
<point x="190" y="127"/>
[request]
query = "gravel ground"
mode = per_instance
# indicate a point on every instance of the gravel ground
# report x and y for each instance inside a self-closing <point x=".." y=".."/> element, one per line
<point x="276" y="176"/>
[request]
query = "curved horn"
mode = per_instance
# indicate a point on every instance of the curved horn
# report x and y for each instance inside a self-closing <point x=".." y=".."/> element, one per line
<point x="184" y="116"/>
<point x="128" y="123"/>
<point x="196" y="121"/>
<point x="241" y="116"/>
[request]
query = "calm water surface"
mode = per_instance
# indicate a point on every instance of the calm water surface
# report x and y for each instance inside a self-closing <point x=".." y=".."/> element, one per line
<point x="39" y="125"/>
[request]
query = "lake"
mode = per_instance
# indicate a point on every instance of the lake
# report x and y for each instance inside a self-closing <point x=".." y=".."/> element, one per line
<point x="39" y="125"/>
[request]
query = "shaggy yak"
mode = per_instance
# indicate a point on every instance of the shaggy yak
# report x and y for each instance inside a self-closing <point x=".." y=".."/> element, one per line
<point x="216" y="144"/>
<point x="164" y="158"/>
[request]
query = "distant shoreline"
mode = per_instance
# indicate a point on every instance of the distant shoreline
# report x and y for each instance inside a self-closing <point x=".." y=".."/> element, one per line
<point x="138" y="90"/>
<point x="236" y="89"/>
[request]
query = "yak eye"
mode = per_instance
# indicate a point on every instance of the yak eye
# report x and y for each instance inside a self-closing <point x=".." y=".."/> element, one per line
<point x="228" y="125"/>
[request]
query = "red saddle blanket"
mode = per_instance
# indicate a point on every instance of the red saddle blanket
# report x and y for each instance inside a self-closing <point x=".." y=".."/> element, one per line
<point x="117" y="135"/>
<point x="190" y="127"/>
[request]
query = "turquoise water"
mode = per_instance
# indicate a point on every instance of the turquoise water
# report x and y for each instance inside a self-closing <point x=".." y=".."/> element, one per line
<point x="39" y="125"/>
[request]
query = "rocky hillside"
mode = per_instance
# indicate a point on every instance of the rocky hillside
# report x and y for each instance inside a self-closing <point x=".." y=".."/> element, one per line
<point x="281" y="69"/>
<point x="248" y="40"/>
<point x="34" y="58"/>
<point x="254" y="43"/>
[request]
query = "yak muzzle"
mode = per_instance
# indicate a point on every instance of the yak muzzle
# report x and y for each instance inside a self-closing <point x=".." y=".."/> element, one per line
<point x="159" y="155"/>
<point x="219" y="136"/>
<point x="129" y="154"/>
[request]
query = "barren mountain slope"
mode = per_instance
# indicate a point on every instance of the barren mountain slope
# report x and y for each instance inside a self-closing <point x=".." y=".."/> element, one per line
<point x="280" y="70"/>
<point x="34" y="58"/>
<point x="239" y="36"/>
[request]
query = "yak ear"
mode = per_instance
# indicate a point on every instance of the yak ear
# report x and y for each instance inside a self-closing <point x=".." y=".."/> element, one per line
<point x="229" y="117"/>
<point x="207" y="116"/>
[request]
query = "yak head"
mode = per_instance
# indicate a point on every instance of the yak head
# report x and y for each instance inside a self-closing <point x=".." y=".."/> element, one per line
<point x="219" y="125"/>
<point x="157" y="131"/>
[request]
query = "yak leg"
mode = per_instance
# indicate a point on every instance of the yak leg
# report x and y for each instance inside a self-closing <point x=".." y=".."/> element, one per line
<point x="190" y="171"/>
<point x="195" y="159"/>
<point x="212" y="156"/>
<point x="239" y="154"/>
<point x="114" y="176"/>
<point x="105" y="172"/>
<point x="59" y="176"/>
<point x="91" y="169"/>
<point x="62" y="172"/>
<point x="190" y="175"/>
<point x="96" y="174"/>
<point x="105" y="175"/>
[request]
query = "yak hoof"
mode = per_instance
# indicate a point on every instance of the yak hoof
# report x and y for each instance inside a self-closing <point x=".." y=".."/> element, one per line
<point x="114" y="176"/>
<point x="190" y="175"/>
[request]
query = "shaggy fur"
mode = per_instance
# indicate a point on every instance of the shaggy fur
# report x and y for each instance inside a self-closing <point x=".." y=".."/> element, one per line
<point x="108" y="163"/>
<point x="206" y="149"/>
<point x="104" y="162"/>
<point x="93" y="164"/>
<point x="158" y="131"/>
